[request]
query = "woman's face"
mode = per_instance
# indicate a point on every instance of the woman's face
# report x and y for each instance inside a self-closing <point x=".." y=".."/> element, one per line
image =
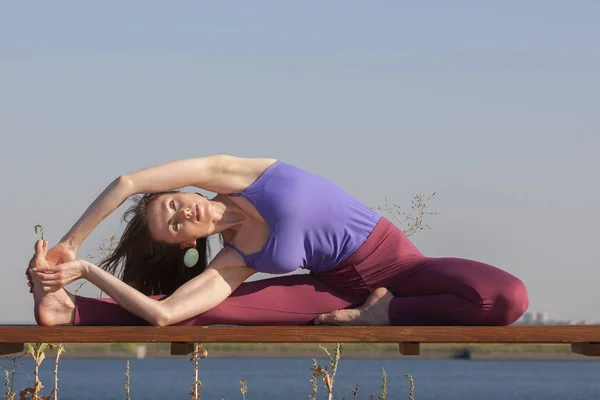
<point x="178" y="218"/>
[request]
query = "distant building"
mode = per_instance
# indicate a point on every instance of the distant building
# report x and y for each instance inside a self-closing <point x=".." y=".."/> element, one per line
<point x="542" y="318"/>
<point x="527" y="318"/>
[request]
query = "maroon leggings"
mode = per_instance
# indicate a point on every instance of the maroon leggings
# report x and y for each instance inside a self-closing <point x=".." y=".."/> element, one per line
<point x="427" y="291"/>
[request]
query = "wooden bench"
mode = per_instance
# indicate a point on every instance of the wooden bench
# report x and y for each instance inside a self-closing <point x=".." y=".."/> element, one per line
<point x="584" y="339"/>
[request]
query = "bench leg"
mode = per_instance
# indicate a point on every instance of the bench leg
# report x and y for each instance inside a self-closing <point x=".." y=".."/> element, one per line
<point x="10" y="348"/>
<point x="181" y="348"/>
<point x="586" y="349"/>
<point x="409" y="349"/>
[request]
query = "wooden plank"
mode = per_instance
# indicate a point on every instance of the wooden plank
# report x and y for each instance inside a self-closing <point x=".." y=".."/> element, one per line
<point x="410" y="349"/>
<point x="302" y="334"/>
<point x="10" y="348"/>
<point x="181" y="349"/>
<point x="586" y="349"/>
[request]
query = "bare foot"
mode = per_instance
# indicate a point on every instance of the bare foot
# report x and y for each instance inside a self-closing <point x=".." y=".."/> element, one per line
<point x="54" y="308"/>
<point x="50" y="308"/>
<point x="374" y="312"/>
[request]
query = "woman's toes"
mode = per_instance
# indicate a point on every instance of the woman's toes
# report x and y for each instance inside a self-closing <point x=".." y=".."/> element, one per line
<point x="331" y="318"/>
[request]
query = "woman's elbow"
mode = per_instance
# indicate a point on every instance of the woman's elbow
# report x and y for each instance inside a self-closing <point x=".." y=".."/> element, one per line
<point x="161" y="318"/>
<point x="124" y="183"/>
<point x="160" y="322"/>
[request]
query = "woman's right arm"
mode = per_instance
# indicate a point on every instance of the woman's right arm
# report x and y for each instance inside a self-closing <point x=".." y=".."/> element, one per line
<point x="217" y="173"/>
<point x="109" y="200"/>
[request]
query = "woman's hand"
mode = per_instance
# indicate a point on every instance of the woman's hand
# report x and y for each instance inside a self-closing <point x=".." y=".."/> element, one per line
<point x="61" y="253"/>
<point x="37" y="261"/>
<point x="58" y="276"/>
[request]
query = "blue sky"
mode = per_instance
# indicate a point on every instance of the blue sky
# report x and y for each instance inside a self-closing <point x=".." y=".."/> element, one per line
<point x="494" y="107"/>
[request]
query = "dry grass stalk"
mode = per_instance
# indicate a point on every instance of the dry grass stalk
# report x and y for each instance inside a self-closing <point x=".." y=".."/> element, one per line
<point x="243" y="388"/>
<point x="9" y="394"/>
<point x="9" y="379"/>
<point x="316" y="372"/>
<point x="411" y="390"/>
<point x="127" y="381"/>
<point x="334" y="359"/>
<point x="346" y="393"/>
<point x="60" y="348"/>
<point x="13" y="373"/>
<point x="383" y="394"/>
<point x="39" y="229"/>
<point x="198" y="353"/>
<point x="9" y="376"/>
<point x="36" y="350"/>
<point x="355" y="392"/>
<point x="414" y="219"/>
<point x="105" y="249"/>
<point x="328" y="379"/>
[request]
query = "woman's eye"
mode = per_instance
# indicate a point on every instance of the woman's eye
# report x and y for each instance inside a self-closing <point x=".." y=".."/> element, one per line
<point x="172" y="205"/>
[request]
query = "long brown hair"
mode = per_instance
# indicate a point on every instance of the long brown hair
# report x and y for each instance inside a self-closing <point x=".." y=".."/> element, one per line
<point x="151" y="267"/>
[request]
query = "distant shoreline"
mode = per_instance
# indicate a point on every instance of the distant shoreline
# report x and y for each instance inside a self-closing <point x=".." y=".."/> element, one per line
<point x="425" y="355"/>
<point x="481" y="351"/>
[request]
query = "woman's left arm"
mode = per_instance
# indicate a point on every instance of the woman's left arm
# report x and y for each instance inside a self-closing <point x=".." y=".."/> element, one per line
<point x="196" y="296"/>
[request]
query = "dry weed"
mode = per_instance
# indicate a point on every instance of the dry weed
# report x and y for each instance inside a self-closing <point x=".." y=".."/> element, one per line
<point x="127" y="381"/>
<point x="198" y="353"/>
<point x="413" y="220"/>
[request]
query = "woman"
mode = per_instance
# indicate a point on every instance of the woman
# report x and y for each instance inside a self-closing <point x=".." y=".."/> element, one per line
<point x="273" y="217"/>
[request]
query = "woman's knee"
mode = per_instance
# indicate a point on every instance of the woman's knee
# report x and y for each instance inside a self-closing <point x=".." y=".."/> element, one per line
<point x="504" y="298"/>
<point x="512" y="301"/>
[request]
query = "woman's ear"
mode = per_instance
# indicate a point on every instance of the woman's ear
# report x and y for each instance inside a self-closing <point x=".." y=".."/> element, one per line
<point x="186" y="245"/>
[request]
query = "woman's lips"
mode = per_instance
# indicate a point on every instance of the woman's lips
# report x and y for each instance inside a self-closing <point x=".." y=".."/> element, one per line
<point x="197" y="213"/>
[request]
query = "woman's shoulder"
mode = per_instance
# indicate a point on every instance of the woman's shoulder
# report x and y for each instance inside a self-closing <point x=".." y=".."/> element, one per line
<point x="248" y="166"/>
<point x="240" y="172"/>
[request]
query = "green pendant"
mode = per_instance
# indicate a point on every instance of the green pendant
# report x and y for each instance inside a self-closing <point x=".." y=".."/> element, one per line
<point x="191" y="257"/>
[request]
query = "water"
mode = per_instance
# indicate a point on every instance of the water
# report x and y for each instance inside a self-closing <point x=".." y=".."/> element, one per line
<point x="288" y="379"/>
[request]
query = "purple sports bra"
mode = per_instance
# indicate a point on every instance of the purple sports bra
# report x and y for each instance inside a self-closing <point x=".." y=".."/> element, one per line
<point x="314" y="224"/>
